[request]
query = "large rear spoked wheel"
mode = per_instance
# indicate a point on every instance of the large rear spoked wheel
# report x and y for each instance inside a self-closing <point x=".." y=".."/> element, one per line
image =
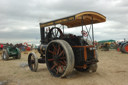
<point x="33" y="62"/>
<point x="59" y="58"/>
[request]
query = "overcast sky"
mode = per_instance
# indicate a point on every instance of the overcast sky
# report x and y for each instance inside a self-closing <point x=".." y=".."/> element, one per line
<point x="19" y="19"/>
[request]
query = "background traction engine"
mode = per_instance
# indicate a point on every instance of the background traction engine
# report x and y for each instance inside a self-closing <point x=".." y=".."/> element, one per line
<point x="11" y="51"/>
<point x="63" y="52"/>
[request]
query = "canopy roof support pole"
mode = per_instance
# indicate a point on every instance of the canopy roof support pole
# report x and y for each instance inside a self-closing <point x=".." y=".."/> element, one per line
<point x="63" y="28"/>
<point x="88" y="31"/>
<point x="92" y="30"/>
<point x="82" y="23"/>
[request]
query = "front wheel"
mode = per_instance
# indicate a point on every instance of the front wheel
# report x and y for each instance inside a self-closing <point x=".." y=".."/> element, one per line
<point x="33" y="62"/>
<point x="92" y="68"/>
<point x="59" y="58"/>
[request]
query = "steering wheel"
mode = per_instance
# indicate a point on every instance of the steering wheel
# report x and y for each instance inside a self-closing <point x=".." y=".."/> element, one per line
<point x="54" y="33"/>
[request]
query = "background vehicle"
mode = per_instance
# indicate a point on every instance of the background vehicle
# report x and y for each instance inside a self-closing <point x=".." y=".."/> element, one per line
<point x="11" y="51"/>
<point x="123" y="47"/>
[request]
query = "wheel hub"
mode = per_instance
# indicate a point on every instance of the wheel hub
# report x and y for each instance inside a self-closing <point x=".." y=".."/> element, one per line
<point x="56" y="58"/>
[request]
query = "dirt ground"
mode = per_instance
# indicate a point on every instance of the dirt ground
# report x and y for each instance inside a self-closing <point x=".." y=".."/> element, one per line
<point x="112" y="70"/>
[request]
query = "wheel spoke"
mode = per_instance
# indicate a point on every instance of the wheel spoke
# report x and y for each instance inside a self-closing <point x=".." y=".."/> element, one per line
<point x="53" y="66"/>
<point x="62" y="68"/>
<point x="32" y="58"/>
<point x="53" y="34"/>
<point x="51" y="59"/>
<point x="32" y="61"/>
<point x="33" y="66"/>
<point x="57" y="33"/>
<point x="55" y="49"/>
<point x="63" y="58"/>
<point x="58" y="49"/>
<point x="57" y="70"/>
<point x="61" y="53"/>
<point x="63" y="63"/>
<point x="51" y="52"/>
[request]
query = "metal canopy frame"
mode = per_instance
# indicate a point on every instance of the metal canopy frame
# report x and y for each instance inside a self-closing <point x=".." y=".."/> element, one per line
<point x="88" y="29"/>
<point x="74" y="21"/>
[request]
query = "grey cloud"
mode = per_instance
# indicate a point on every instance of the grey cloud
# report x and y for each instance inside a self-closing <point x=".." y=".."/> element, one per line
<point x="20" y="19"/>
<point x="21" y="34"/>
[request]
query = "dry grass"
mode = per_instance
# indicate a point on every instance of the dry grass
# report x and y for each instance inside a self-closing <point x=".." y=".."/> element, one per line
<point x="112" y="70"/>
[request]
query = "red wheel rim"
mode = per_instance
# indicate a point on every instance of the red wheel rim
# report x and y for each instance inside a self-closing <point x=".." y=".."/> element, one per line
<point x="126" y="48"/>
<point x="118" y="49"/>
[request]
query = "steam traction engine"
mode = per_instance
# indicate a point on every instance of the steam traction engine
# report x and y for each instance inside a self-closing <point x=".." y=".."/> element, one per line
<point x="63" y="52"/>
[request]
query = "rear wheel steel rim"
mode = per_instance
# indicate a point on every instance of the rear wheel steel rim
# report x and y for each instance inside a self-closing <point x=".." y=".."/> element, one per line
<point x="56" y="59"/>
